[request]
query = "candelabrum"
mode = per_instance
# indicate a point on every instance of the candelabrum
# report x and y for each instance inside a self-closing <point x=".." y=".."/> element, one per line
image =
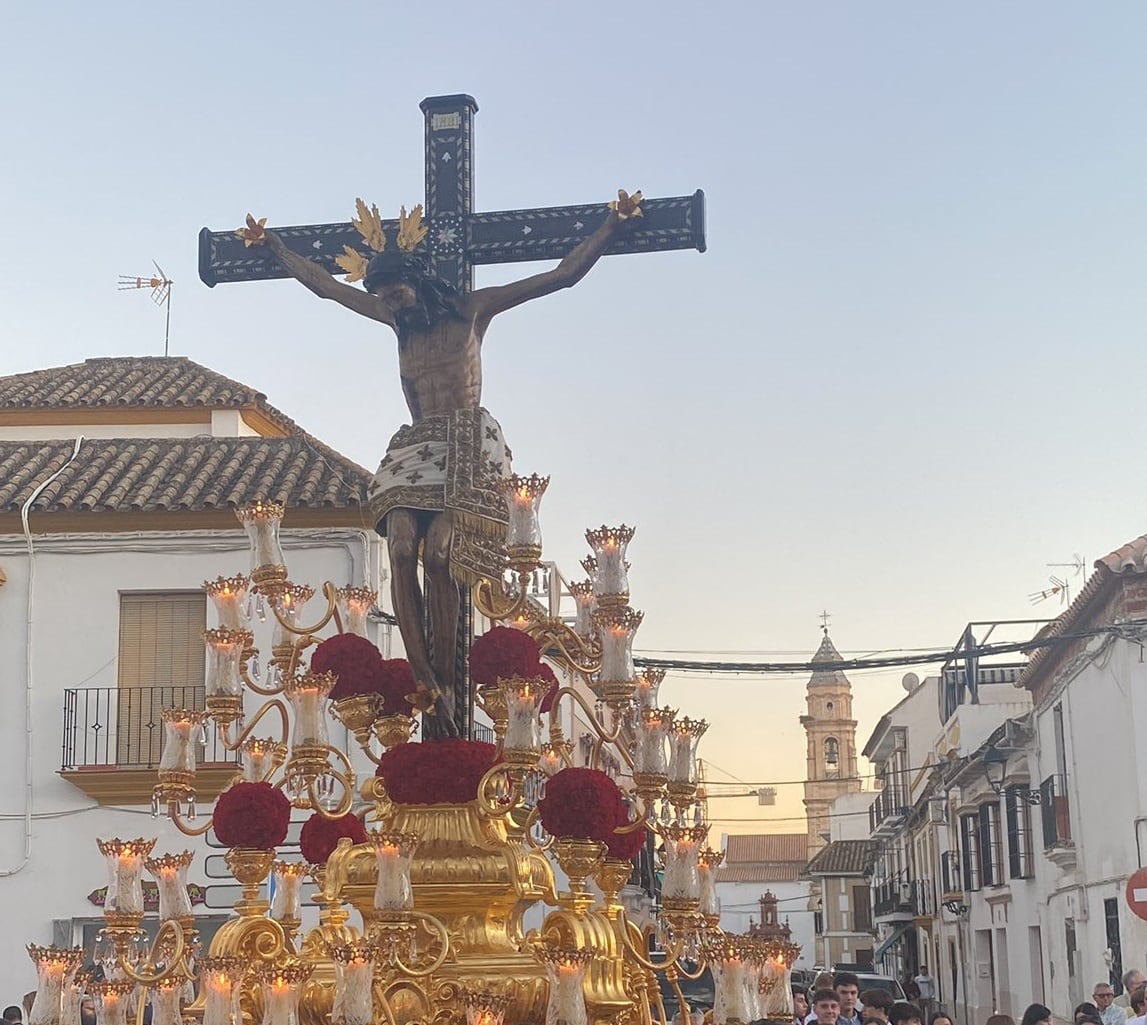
<point x="420" y="917"/>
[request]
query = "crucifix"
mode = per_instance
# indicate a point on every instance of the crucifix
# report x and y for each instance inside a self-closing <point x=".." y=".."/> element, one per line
<point x="437" y="494"/>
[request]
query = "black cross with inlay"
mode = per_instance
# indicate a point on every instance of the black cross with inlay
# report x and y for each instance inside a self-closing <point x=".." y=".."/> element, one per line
<point x="460" y="239"/>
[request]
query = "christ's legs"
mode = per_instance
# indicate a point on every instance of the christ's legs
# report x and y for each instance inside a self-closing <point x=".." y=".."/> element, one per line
<point x="403" y="534"/>
<point x="444" y="602"/>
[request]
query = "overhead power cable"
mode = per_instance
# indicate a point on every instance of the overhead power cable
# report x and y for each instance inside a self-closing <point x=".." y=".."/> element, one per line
<point x="888" y="662"/>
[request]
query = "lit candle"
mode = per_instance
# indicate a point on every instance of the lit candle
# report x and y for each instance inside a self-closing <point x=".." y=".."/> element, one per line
<point x="648" y="684"/>
<point x="682" y="880"/>
<point x="112" y="997"/>
<point x="707" y="867"/>
<point x="653" y="726"/>
<point x="611" y="579"/>
<point x="616" y="627"/>
<point x="308" y="694"/>
<point x="566" y="972"/>
<point x="729" y="1004"/>
<point x="224" y="650"/>
<point x="228" y="595"/>
<point x="167" y="999"/>
<point x="182" y="729"/>
<point x="125" y="874"/>
<point x="354" y="604"/>
<point x="286" y="905"/>
<point x="393" y="852"/>
<point x="683" y="740"/>
<point x="281" y="988"/>
<point x="354" y="978"/>
<point x="170" y="874"/>
<point x="523" y="497"/>
<point x="550" y="760"/>
<point x="221" y="996"/>
<point x="524" y="725"/>
<point x="261" y="756"/>
<point x="261" y="521"/>
<point x="55" y="969"/>
<point x="582" y="593"/>
<point x="291" y="602"/>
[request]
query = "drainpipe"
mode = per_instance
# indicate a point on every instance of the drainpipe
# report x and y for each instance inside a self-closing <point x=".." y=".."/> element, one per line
<point x="24" y="511"/>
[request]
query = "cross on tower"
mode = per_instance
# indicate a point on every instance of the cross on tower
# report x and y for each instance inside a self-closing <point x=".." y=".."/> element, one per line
<point x="460" y="239"/>
<point x="824" y="618"/>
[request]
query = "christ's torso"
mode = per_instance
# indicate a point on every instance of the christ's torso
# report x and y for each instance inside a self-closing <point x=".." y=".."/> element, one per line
<point x="441" y="368"/>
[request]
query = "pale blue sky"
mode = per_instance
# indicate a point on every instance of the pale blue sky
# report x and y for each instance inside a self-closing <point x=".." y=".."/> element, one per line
<point x="903" y="378"/>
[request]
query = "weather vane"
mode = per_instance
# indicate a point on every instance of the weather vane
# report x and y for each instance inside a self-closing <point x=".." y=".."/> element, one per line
<point x="160" y="295"/>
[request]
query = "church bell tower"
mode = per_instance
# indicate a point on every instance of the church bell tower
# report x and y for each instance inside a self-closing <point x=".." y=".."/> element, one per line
<point x="831" y="732"/>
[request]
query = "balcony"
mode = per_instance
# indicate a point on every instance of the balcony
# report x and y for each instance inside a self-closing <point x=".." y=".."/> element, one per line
<point x="113" y="739"/>
<point x="887" y="813"/>
<point x="1055" y="811"/>
<point x="901" y="898"/>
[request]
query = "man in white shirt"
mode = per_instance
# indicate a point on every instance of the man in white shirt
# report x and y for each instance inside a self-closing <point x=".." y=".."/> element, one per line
<point x="1104" y="997"/>
<point x="927" y="986"/>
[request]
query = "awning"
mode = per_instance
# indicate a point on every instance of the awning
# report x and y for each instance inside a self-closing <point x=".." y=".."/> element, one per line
<point x="893" y="937"/>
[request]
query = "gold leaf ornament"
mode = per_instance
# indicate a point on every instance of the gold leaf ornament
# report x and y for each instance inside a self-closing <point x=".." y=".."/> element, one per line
<point x="411" y="230"/>
<point x="369" y="225"/>
<point x="353" y="262"/>
<point x="627" y="206"/>
<point x="254" y="232"/>
<point x="424" y="698"/>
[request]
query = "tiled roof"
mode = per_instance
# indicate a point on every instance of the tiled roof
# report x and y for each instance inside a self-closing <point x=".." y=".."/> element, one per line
<point x="133" y="382"/>
<point x="827" y="677"/>
<point x="764" y="858"/>
<point x="199" y="473"/>
<point x="1127" y="560"/>
<point x="843" y="858"/>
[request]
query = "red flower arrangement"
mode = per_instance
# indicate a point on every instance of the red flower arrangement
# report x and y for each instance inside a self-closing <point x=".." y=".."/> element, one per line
<point x="547" y="674"/>
<point x="583" y="804"/>
<point x="625" y="846"/>
<point x="252" y="815"/>
<point x="354" y="660"/>
<point x="437" y="771"/>
<point x="395" y="686"/>
<point x="320" y="835"/>
<point x="502" y="652"/>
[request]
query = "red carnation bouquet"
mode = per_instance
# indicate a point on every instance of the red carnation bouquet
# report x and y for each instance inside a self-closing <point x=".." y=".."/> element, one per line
<point x="502" y="652"/>
<point x="583" y="804"/>
<point x="320" y="835"/>
<point x="444" y="771"/>
<point x="252" y="815"/>
<point x="547" y="674"/>
<point x="354" y="660"/>
<point x="395" y="686"/>
<point x="625" y="846"/>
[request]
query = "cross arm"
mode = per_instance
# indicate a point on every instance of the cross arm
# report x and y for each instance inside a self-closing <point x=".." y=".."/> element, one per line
<point x="513" y="236"/>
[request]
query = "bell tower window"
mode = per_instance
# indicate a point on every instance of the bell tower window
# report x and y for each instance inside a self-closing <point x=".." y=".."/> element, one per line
<point x="832" y="757"/>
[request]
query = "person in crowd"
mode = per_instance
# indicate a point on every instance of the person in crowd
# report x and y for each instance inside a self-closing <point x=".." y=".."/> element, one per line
<point x="800" y="1006"/>
<point x="87" y="1011"/>
<point x="824" y="980"/>
<point x="1137" y="1011"/>
<point x="847" y="987"/>
<point x="1036" y="1014"/>
<point x="904" y="1012"/>
<point x="911" y="990"/>
<point x="940" y="1018"/>
<point x="825" y="1007"/>
<point x="1104" y="997"/>
<point x="926" y="988"/>
<point x="876" y="1003"/>
<point x="1000" y="1019"/>
<point x="14" y="1014"/>
<point x="1085" y="1010"/>
<point x="1132" y="980"/>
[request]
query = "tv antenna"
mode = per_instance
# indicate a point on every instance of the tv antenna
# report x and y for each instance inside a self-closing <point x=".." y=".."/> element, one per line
<point x="160" y="285"/>
<point x="1060" y="588"/>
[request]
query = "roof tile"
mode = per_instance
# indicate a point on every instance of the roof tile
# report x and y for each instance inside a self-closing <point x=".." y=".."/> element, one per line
<point x="843" y="858"/>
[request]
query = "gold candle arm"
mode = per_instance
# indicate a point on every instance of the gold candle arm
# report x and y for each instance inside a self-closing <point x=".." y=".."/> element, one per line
<point x="176" y="964"/>
<point x="652" y="966"/>
<point x="177" y="819"/>
<point x="444" y="938"/>
<point x="345" y="801"/>
<point x="267" y="706"/>
<point x="612" y="737"/>
<point x="329" y="590"/>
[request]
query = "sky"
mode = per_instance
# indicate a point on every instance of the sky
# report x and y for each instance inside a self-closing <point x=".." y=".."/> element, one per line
<point x="900" y="382"/>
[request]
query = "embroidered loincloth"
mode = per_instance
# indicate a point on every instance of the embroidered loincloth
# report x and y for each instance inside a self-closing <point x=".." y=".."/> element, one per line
<point x="452" y="464"/>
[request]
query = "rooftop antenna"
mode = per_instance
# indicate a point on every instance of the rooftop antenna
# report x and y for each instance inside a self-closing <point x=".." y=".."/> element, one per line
<point x="1060" y="588"/>
<point x="160" y="286"/>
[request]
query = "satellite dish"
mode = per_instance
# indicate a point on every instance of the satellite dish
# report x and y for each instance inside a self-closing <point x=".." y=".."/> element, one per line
<point x="910" y="682"/>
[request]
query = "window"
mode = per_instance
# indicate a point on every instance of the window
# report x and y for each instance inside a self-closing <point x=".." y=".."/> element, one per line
<point x="1019" y="824"/>
<point x="970" y="850"/>
<point x="991" y="853"/>
<point x="161" y="664"/>
<point x="861" y="908"/>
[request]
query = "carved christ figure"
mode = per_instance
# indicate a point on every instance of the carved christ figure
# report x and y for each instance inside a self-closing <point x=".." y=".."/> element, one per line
<point x="437" y="490"/>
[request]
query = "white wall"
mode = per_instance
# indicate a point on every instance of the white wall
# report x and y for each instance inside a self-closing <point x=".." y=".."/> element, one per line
<point x="223" y="423"/>
<point x="740" y="902"/>
<point x="74" y="615"/>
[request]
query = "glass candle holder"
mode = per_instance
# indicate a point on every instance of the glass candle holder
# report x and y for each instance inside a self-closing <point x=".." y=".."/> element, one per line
<point x="113" y="997"/>
<point x="229" y="596"/>
<point x="260" y="757"/>
<point x="483" y="1007"/>
<point x="287" y="903"/>
<point x="167" y="1000"/>
<point x="354" y="604"/>
<point x="125" y="874"/>
<point x="648" y="684"/>
<point x="776" y="983"/>
<point x="707" y="867"/>
<point x="291" y="601"/>
<point x="218" y="981"/>
<point x="524" y="722"/>
<point x="393" y="852"/>
<point x="653" y="726"/>
<point x="75" y="988"/>
<point x="550" y="759"/>
<point x="55" y="968"/>
<point x="308" y="695"/>
<point x="566" y="972"/>
<point x="182" y="732"/>
<point x="683" y="740"/>
<point x="682" y="880"/>
<point x="582" y="593"/>
<point x="729" y="1004"/>
<point x="611" y="581"/>
<point x="616" y="628"/>
<point x="224" y="651"/>
<point x="170" y="875"/>
<point x="523" y="497"/>
<point x="282" y="985"/>
<point x="261" y="520"/>
<point x="354" y="978"/>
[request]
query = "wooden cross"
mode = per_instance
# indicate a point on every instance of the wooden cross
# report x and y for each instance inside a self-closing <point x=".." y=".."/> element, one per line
<point x="460" y="239"/>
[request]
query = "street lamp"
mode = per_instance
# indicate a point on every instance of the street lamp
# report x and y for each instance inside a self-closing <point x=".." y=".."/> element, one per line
<point x="995" y="768"/>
